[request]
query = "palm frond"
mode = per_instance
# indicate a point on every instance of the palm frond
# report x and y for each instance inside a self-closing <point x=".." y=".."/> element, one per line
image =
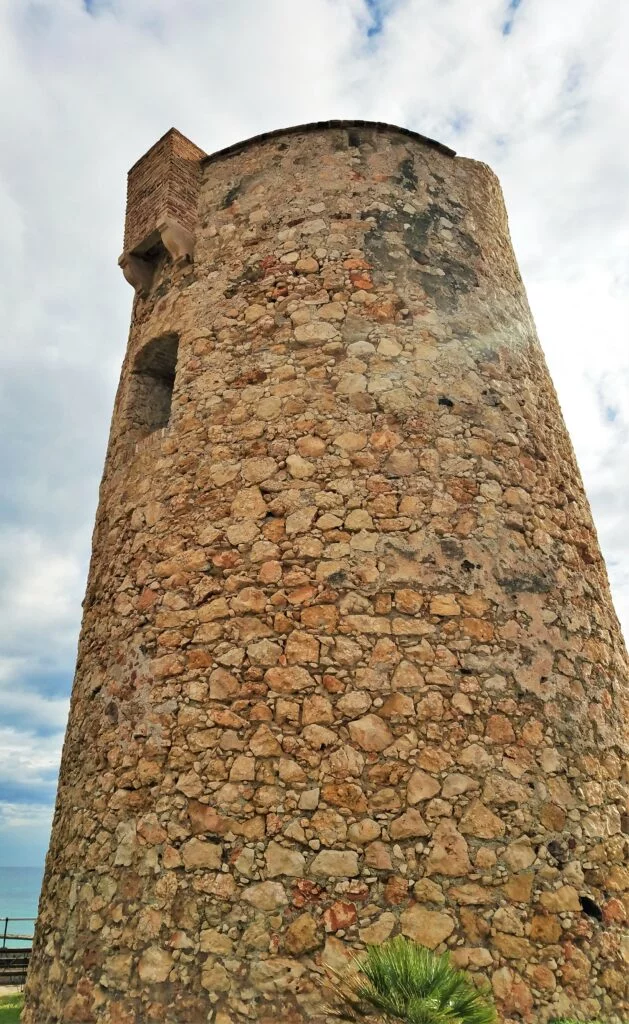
<point x="403" y="981"/>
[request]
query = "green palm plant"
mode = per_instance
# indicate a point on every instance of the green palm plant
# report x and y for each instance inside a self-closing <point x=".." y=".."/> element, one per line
<point x="573" y="1020"/>
<point x="403" y="981"/>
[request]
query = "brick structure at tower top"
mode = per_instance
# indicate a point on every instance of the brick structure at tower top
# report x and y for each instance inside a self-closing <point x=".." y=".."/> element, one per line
<point x="163" y="184"/>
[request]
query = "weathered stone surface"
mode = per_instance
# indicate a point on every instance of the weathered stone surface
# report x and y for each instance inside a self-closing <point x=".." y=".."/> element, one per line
<point x="266" y="895"/>
<point x="302" y="935"/>
<point x="214" y="977"/>
<point x="213" y="941"/>
<point x="408" y="826"/>
<point x="546" y="928"/>
<point x="449" y="853"/>
<point x="380" y="930"/>
<point x="281" y="860"/>
<point x="428" y="927"/>
<point x="364" y="831"/>
<point x="199" y="854"/>
<point x="565" y="897"/>
<point x="335" y="864"/>
<point x="421" y="786"/>
<point x="519" y="855"/>
<point x="377" y="856"/>
<point x="481" y="822"/>
<point x="370" y="733"/>
<point x="348" y="665"/>
<point x="264" y="744"/>
<point x="155" y="964"/>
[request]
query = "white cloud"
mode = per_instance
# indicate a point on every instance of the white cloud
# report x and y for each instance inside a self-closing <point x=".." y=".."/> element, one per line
<point x="40" y="594"/>
<point x="24" y="828"/>
<point x="547" y="106"/>
<point x="28" y="759"/>
<point x="25" y="816"/>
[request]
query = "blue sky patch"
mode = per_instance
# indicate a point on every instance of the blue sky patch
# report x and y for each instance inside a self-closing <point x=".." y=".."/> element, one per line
<point x="378" y="11"/>
<point x="460" y="121"/>
<point x="507" y="25"/>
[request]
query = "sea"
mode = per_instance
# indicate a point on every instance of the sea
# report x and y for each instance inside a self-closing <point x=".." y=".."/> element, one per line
<point x="19" y="897"/>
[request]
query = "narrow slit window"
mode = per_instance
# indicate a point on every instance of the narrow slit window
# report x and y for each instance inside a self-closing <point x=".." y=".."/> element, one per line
<point x="152" y="384"/>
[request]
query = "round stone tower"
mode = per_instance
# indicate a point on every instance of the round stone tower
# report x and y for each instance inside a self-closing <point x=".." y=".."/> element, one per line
<point x="349" y="664"/>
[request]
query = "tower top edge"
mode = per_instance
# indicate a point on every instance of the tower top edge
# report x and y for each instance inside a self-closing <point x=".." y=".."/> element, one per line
<point x="311" y="126"/>
<point x="314" y="126"/>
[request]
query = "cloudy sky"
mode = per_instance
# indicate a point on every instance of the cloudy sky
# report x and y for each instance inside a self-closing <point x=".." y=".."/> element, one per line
<point x="537" y="88"/>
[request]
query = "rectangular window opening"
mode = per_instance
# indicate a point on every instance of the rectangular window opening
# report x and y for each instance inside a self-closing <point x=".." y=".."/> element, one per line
<point x="152" y="384"/>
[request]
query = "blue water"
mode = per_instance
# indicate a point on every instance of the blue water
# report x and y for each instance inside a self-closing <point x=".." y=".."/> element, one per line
<point x="19" y="896"/>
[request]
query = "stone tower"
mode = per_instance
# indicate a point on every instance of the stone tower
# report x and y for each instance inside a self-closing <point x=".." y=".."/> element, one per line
<point x="349" y="665"/>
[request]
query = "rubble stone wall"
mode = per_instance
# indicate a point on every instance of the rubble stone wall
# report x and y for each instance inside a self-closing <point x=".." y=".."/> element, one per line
<point x="349" y="664"/>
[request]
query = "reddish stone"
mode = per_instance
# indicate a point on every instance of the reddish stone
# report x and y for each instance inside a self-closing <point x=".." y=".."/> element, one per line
<point x="499" y="729"/>
<point x="305" y="892"/>
<point x="339" y="915"/>
<point x="552" y="817"/>
<point x="205" y="819"/>
<point x="345" y="794"/>
<point x="361" y="281"/>
<point x="199" y="658"/>
<point x="121" y="1013"/>
<point x="384" y="311"/>
<point x="356" y="264"/>
<point x="146" y="599"/>
<point x="274" y="824"/>
<point x="395" y="891"/>
<point x="332" y="684"/>
<point x="614" y="911"/>
<point x="226" y="559"/>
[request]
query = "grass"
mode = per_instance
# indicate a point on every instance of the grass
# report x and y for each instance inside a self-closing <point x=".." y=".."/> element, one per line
<point x="11" y="1008"/>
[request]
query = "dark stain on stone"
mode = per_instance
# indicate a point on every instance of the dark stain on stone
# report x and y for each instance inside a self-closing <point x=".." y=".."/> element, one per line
<point x="112" y="712"/>
<point x="446" y="401"/>
<point x="249" y="276"/>
<point x="459" y="278"/>
<point x="451" y="548"/>
<point x="467" y="243"/>
<point x="337" y="579"/>
<point x="442" y="276"/>
<point x="525" y="585"/>
<point x="407" y="177"/>
<point x="557" y="852"/>
<point x="231" y="195"/>
<point x="248" y="378"/>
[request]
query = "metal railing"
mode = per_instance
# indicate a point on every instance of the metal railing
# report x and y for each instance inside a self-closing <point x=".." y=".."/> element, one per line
<point x="15" y="949"/>
<point x="8" y="936"/>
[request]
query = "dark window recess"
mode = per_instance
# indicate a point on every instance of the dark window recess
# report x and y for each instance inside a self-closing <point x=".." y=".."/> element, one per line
<point x="589" y="907"/>
<point x="152" y="383"/>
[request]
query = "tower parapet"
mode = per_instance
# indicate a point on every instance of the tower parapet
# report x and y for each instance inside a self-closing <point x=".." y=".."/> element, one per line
<point x="349" y="664"/>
